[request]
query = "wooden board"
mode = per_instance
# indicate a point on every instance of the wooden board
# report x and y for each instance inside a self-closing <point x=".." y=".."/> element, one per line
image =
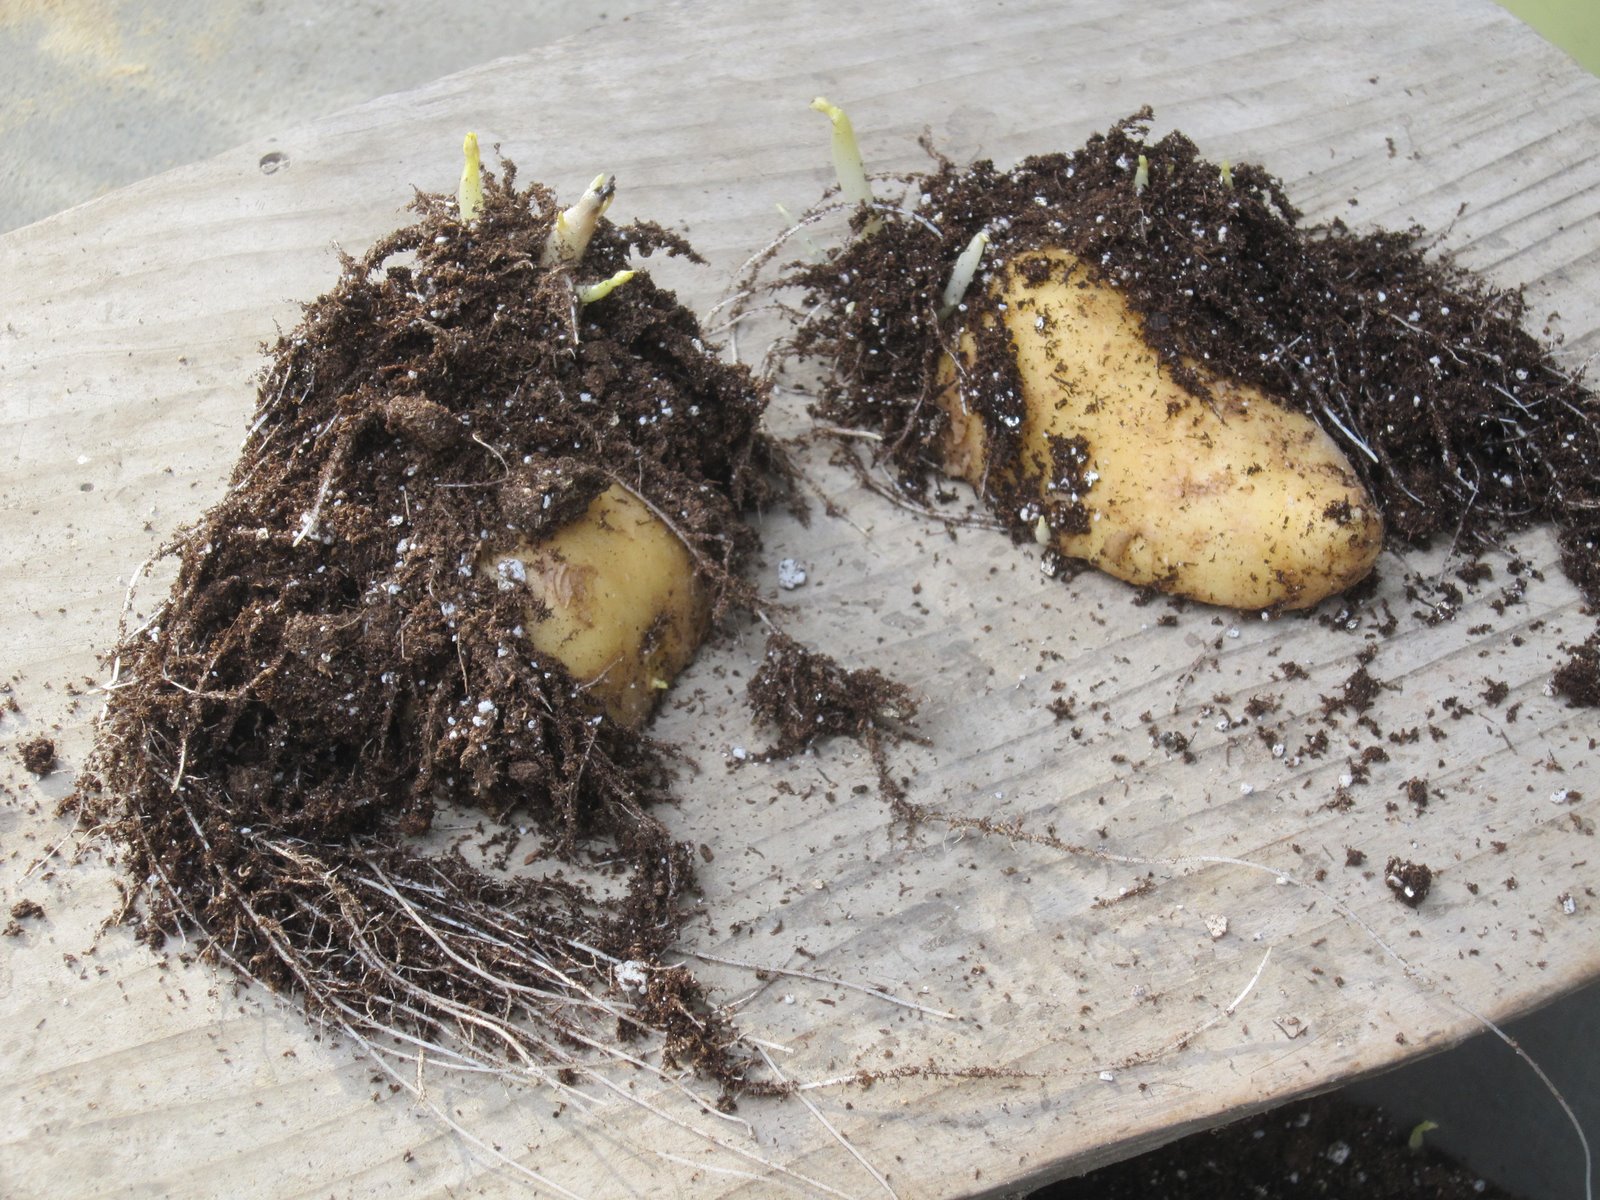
<point x="128" y="334"/>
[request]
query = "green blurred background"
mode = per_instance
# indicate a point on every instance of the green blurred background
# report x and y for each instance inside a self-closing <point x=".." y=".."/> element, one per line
<point x="1574" y="25"/>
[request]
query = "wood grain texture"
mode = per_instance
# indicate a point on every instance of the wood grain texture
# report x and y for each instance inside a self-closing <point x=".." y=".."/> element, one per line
<point x="128" y="334"/>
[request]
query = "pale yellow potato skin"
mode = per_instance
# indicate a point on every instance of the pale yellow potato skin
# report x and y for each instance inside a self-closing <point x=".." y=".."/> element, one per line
<point x="626" y="610"/>
<point x="1225" y="502"/>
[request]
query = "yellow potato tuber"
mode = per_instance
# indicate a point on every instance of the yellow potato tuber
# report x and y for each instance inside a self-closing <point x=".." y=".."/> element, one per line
<point x="615" y="599"/>
<point x="1237" y="501"/>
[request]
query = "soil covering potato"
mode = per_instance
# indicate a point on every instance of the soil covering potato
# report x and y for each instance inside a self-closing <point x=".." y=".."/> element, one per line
<point x="1442" y="409"/>
<point x="476" y="527"/>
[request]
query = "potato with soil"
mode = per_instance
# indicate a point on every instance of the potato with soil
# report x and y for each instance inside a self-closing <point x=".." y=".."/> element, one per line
<point x="613" y="593"/>
<point x="1140" y="360"/>
<point x="489" y="503"/>
<point x="1229" y="498"/>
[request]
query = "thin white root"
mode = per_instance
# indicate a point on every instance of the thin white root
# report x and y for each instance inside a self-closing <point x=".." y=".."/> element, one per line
<point x="832" y="1132"/>
<point x="1183" y="1040"/>
<point x="830" y="981"/>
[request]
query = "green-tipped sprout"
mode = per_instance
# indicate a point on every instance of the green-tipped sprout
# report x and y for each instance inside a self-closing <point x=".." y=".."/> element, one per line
<point x="1141" y="176"/>
<point x="576" y="225"/>
<point x="1227" y="174"/>
<point x="962" y="274"/>
<point x="589" y="293"/>
<point x="1414" y="1142"/>
<point x="469" y="192"/>
<point x="853" y="185"/>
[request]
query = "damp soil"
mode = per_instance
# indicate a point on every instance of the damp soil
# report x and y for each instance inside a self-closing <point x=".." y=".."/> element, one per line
<point x="333" y="669"/>
<point x="1457" y="419"/>
<point x="1322" y="1147"/>
<point x="804" y="696"/>
<point x="38" y="755"/>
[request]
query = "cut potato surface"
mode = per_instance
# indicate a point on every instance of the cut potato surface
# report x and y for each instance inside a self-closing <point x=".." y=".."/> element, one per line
<point x="1236" y="502"/>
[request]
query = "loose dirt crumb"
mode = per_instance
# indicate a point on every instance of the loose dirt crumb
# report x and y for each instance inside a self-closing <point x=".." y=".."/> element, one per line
<point x="38" y="755"/>
<point x="1416" y="791"/>
<point x="1409" y="881"/>
<point x="1578" y="679"/>
<point x="805" y="695"/>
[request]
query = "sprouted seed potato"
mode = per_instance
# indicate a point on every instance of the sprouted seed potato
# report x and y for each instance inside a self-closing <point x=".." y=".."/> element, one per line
<point x="1145" y="361"/>
<point x="1199" y="485"/>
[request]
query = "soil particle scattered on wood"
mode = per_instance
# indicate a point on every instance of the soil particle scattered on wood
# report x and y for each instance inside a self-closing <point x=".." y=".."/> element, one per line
<point x="1578" y="679"/>
<point x="1409" y="881"/>
<point x="1357" y="694"/>
<point x="332" y="666"/>
<point x="804" y="696"/>
<point x="38" y="755"/>
<point x="22" y="910"/>
<point x="1416" y="791"/>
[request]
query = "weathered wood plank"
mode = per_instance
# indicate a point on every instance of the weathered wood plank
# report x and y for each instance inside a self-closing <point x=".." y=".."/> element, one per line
<point x="129" y="335"/>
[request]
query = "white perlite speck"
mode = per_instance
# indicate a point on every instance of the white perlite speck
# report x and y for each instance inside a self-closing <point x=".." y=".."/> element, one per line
<point x="791" y="574"/>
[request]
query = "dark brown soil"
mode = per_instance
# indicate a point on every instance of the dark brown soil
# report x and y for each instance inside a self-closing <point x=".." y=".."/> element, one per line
<point x="1456" y="418"/>
<point x="804" y="696"/>
<point x="331" y="669"/>
<point x="22" y="910"/>
<point x="38" y="755"/>
<point x="25" y="910"/>
<point x="1322" y="1147"/>
<point x="1410" y="882"/>
<point x="1578" y="679"/>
